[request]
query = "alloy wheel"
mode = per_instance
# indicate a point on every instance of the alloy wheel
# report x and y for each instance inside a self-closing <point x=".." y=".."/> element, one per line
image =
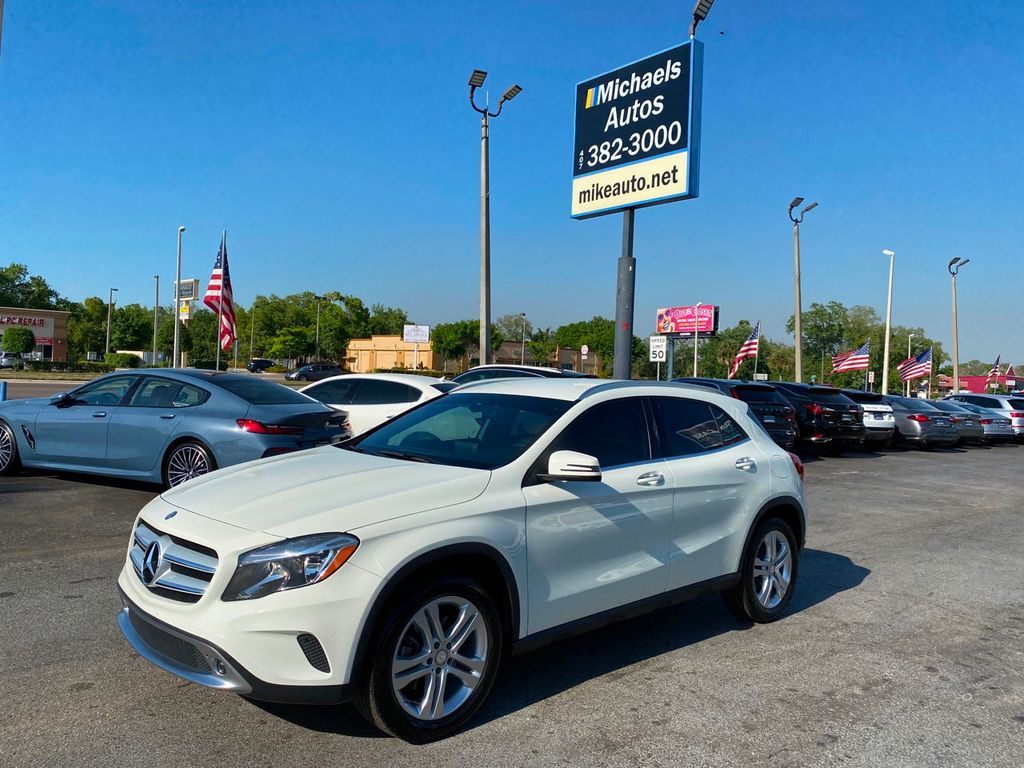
<point x="6" y="448"/>
<point x="440" y="658"/>
<point x="187" y="461"/>
<point x="773" y="569"/>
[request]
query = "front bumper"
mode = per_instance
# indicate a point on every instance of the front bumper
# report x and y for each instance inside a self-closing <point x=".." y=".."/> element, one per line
<point x="199" y="661"/>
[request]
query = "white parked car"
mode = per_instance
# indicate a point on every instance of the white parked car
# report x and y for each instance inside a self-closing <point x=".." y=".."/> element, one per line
<point x="372" y="398"/>
<point x="398" y="569"/>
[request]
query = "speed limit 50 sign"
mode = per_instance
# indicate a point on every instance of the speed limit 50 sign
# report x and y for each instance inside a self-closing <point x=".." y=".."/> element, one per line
<point x="659" y="348"/>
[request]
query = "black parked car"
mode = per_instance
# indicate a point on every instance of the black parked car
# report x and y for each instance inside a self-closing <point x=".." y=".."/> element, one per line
<point x="773" y="410"/>
<point x="824" y="415"/>
<point x="497" y="371"/>
<point x="314" y="372"/>
<point x="258" y="364"/>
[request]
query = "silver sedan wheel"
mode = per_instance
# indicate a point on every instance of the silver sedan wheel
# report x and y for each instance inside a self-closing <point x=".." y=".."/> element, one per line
<point x="440" y="658"/>
<point x="773" y="569"/>
<point x="6" y="448"/>
<point x="185" y="462"/>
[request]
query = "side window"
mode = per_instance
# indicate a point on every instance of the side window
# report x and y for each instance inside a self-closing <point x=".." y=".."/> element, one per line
<point x="379" y="392"/>
<point x="686" y="427"/>
<point x="987" y="402"/>
<point x="615" y="432"/>
<point x="155" y="393"/>
<point x="732" y="432"/>
<point x="105" y="392"/>
<point x="337" y="392"/>
<point x="188" y="396"/>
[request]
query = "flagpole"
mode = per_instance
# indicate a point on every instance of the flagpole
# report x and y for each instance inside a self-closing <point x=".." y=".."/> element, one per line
<point x="757" y="349"/>
<point x="220" y="304"/>
<point x="931" y="367"/>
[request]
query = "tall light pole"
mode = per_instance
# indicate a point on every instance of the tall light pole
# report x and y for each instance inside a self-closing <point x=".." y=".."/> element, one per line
<point x="252" y="329"/>
<point x="888" y="323"/>
<point x="318" y="300"/>
<point x="522" y="347"/>
<point x="156" y="315"/>
<point x="175" y="359"/>
<point x="799" y="341"/>
<point x="696" y="319"/>
<point x="475" y="81"/>
<point x="954" y="268"/>
<point x="110" y="306"/>
<point x="909" y="337"/>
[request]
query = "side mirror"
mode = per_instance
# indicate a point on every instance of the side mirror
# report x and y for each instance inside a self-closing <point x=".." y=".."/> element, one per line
<point x="571" y="465"/>
<point x="61" y="398"/>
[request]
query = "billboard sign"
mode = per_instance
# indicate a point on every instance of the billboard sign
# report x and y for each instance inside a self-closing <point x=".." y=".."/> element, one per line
<point x="188" y="290"/>
<point x="638" y="133"/>
<point x="681" y="320"/>
<point x="415" y="334"/>
<point x="659" y="348"/>
<point x="42" y="327"/>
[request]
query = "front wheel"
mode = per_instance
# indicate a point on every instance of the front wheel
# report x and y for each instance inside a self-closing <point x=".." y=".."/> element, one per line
<point x="9" y="461"/>
<point x="768" y="574"/>
<point x="434" y="662"/>
<point x="185" y="461"/>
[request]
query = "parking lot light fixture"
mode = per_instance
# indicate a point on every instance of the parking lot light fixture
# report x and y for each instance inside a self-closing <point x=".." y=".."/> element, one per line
<point x="700" y="13"/>
<point x="954" y="267"/>
<point x="175" y="358"/>
<point x="888" y="323"/>
<point x="797" y="314"/>
<point x="110" y="305"/>
<point x="475" y="81"/>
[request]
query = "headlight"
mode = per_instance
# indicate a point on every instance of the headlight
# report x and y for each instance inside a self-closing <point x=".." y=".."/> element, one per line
<point x="289" y="564"/>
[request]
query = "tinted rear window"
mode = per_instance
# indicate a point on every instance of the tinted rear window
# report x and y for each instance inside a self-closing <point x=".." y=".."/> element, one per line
<point x="760" y="395"/>
<point x="259" y="392"/>
<point x="827" y="395"/>
<point x="1016" y="402"/>
<point x="864" y="397"/>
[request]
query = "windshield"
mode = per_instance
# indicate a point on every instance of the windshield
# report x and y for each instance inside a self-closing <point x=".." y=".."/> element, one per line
<point x="482" y="431"/>
<point x="259" y="392"/>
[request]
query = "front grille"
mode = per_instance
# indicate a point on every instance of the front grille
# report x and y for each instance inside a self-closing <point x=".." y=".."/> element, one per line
<point x="314" y="652"/>
<point x="173" y="647"/>
<point x="184" y="569"/>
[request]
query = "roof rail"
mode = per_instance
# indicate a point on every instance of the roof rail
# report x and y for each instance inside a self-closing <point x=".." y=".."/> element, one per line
<point x="626" y="384"/>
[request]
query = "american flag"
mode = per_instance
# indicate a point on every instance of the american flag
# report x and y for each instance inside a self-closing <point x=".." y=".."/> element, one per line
<point x="994" y="373"/>
<point x="916" y="367"/>
<point x="749" y="349"/>
<point x="857" y="360"/>
<point x="219" y="290"/>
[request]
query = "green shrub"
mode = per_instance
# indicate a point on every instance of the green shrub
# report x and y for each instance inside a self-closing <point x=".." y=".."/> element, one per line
<point x="122" y="360"/>
<point x="276" y="369"/>
<point x="68" y="367"/>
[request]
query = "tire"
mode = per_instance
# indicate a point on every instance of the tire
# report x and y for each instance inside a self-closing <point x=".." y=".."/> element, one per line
<point x="9" y="461"/>
<point x="186" y="460"/>
<point x="748" y="599"/>
<point x="390" y="704"/>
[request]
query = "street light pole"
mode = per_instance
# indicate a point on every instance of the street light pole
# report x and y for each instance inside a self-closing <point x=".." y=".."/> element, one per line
<point x="156" y="315"/>
<point x="252" y="329"/>
<point x="522" y="348"/>
<point x="175" y="359"/>
<point x="909" y="337"/>
<point x="953" y="268"/>
<point x="110" y="305"/>
<point x="888" y="322"/>
<point x="798" y="331"/>
<point x="696" y="319"/>
<point x="475" y="81"/>
<point x="318" y="298"/>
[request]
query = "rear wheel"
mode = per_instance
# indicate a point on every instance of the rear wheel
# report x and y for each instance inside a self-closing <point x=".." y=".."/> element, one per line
<point x="185" y="461"/>
<point x="9" y="462"/>
<point x="433" y="662"/>
<point x="768" y="574"/>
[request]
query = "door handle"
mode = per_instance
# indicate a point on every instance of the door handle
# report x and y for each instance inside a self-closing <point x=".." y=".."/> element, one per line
<point x="166" y="415"/>
<point x="747" y="464"/>
<point x="651" y="479"/>
<point x="99" y="414"/>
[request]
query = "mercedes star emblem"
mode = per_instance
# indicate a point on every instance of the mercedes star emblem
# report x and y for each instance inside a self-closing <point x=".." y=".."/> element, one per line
<point x="151" y="563"/>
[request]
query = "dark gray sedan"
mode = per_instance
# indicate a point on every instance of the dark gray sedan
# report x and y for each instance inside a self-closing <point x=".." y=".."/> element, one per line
<point x="921" y="423"/>
<point x="164" y="426"/>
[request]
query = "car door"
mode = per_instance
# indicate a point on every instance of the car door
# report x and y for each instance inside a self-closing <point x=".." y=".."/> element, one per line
<point x="141" y="429"/>
<point x="592" y="546"/>
<point x="379" y="400"/>
<point x="74" y="432"/>
<point x="719" y="476"/>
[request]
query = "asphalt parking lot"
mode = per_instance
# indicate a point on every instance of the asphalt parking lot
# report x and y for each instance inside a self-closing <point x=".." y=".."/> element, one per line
<point x="905" y="646"/>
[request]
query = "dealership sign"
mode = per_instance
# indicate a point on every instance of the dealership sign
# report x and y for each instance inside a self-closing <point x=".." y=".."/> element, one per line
<point x="681" y="320"/>
<point x="42" y="327"/>
<point x="415" y="334"/>
<point x="638" y="133"/>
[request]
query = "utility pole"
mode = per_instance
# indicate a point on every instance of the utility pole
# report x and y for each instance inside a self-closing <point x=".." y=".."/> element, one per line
<point x="175" y="359"/>
<point x="110" y="305"/>
<point x="888" y="323"/>
<point x="797" y="315"/>
<point x="953" y="268"/>
<point x="156" y="315"/>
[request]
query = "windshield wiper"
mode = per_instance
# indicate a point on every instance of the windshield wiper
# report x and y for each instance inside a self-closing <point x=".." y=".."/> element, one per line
<point x="406" y="456"/>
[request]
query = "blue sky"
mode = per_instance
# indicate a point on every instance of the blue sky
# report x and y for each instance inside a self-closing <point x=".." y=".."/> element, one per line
<point x="335" y="144"/>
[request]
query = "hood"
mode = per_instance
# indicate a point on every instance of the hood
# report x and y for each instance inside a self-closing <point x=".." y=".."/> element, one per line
<point x="26" y="402"/>
<point x="324" y="490"/>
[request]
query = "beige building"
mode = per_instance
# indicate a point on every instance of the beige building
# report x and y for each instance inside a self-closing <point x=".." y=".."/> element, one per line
<point x="49" y="326"/>
<point x="365" y="355"/>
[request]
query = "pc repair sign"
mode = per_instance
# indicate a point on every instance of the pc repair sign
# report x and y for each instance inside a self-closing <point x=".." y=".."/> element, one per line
<point x="638" y="133"/>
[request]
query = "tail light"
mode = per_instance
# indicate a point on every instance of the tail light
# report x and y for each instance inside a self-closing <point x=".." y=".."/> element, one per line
<point x="1016" y="415"/>
<point x="797" y="464"/>
<point x="817" y="410"/>
<point x="789" y="413"/>
<point x="259" y="428"/>
<point x="954" y="420"/>
<point x="986" y="421"/>
<point x="918" y="417"/>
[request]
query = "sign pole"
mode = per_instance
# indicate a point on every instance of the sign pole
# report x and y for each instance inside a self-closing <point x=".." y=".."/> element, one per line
<point x="757" y="349"/>
<point x="657" y="376"/>
<point x="625" y="291"/>
<point x="671" y="358"/>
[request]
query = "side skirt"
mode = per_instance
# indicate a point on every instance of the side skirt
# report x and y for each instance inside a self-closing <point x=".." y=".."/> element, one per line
<point x="623" y="613"/>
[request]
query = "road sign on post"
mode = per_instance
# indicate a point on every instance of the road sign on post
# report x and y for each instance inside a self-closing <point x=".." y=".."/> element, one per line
<point x="760" y="377"/>
<point x="658" y="346"/>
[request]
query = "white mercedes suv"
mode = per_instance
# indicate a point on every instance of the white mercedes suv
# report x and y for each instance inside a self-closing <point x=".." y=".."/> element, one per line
<point x="397" y="569"/>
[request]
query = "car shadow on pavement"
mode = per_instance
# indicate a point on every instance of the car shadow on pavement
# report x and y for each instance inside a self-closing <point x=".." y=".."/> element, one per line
<point x="536" y="676"/>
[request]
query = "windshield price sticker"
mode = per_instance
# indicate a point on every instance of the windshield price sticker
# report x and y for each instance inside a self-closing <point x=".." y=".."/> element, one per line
<point x="636" y="134"/>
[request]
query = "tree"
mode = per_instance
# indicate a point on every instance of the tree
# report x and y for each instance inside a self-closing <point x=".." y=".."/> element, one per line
<point x="20" y="289"/>
<point x="291" y="343"/>
<point x="511" y="327"/>
<point x="386" y="321"/>
<point x="131" y="327"/>
<point x="18" y="339"/>
<point x="87" y="327"/>
<point x="448" y="341"/>
<point x="542" y="345"/>
<point x="824" y="330"/>
<point x="165" y="336"/>
<point x="598" y="334"/>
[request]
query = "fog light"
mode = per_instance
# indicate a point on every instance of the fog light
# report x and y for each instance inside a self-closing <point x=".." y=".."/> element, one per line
<point x="219" y="667"/>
